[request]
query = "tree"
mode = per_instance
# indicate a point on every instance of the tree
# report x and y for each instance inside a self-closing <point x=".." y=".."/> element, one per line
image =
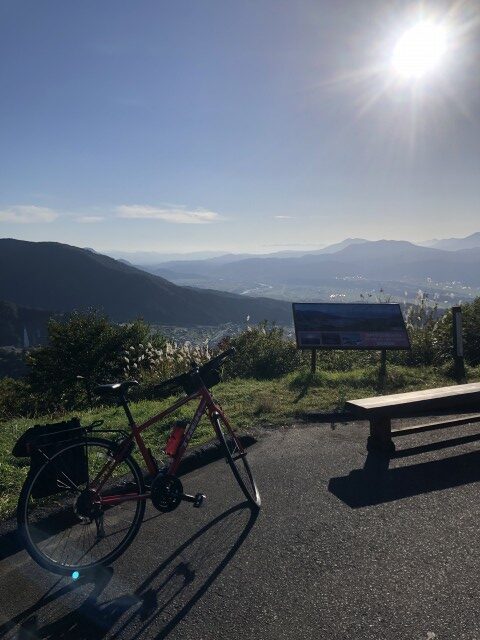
<point x="85" y="344"/>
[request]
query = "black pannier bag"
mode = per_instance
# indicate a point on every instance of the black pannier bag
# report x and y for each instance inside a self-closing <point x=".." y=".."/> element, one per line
<point x="40" y="443"/>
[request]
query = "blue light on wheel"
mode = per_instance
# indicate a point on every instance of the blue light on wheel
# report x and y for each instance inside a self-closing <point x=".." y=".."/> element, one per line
<point x="75" y="575"/>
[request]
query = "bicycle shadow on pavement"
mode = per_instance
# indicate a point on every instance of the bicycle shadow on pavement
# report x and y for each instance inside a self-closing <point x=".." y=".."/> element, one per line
<point x="26" y="623"/>
<point x="376" y="483"/>
<point x="153" y="608"/>
<point x="198" y="457"/>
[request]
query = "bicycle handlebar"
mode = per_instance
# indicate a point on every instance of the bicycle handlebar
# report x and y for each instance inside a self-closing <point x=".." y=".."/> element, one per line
<point x="218" y="359"/>
<point x="120" y="388"/>
<point x="179" y="381"/>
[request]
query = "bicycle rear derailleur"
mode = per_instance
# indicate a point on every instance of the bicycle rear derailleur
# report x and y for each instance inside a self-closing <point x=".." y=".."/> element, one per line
<point x="167" y="493"/>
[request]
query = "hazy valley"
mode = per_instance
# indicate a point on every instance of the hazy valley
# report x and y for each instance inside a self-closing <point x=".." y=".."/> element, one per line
<point x="447" y="270"/>
<point x="195" y="298"/>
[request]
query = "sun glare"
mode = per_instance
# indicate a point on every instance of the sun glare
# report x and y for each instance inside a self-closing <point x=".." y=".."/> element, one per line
<point x="420" y="50"/>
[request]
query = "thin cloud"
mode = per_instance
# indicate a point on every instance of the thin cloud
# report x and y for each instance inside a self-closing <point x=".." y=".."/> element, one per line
<point x="175" y="215"/>
<point x="89" y="219"/>
<point x="284" y="217"/>
<point x="27" y="214"/>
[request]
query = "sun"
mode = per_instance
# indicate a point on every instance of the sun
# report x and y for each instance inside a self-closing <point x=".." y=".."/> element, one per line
<point x="420" y="50"/>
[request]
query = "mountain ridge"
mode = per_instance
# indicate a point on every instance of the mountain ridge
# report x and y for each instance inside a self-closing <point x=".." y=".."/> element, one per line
<point x="393" y="259"/>
<point x="454" y="244"/>
<point x="61" y="278"/>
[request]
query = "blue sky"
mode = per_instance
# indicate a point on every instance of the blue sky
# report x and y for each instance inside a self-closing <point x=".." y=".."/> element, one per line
<point x="233" y="125"/>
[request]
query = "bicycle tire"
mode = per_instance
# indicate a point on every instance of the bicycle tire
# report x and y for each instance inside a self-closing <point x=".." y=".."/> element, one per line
<point x="237" y="460"/>
<point x="26" y="529"/>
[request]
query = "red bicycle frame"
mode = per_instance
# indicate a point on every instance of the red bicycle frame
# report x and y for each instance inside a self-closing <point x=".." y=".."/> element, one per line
<point x="206" y="405"/>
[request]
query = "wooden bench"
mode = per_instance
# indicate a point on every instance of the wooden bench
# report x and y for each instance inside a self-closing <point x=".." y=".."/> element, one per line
<point x="380" y="410"/>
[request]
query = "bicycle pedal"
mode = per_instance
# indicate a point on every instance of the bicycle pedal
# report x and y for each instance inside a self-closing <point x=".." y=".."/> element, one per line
<point x="196" y="500"/>
<point x="199" y="500"/>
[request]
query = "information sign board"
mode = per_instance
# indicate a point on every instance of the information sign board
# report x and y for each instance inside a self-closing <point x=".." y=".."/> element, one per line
<point x="332" y="325"/>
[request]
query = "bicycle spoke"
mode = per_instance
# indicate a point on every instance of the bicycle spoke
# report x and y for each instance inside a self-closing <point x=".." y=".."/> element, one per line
<point x="67" y="530"/>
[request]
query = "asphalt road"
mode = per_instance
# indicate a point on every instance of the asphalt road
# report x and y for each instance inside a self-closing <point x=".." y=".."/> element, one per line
<point x="345" y="547"/>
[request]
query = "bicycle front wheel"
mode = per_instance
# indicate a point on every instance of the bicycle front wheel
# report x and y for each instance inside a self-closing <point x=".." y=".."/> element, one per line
<point x="236" y="457"/>
<point x="64" y="525"/>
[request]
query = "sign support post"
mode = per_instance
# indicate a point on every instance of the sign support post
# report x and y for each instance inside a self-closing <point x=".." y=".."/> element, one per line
<point x="383" y="367"/>
<point x="458" y="357"/>
<point x="359" y="326"/>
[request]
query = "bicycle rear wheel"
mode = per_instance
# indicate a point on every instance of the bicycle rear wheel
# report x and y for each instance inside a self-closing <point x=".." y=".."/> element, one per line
<point x="237" y="459"/>
<point x="69" y="531"/>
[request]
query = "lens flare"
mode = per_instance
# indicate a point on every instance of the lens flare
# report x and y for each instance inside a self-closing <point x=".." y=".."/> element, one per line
<point x="420" y="50"/>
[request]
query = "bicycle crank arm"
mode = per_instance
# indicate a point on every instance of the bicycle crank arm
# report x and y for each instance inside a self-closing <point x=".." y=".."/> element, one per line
<point x="197" y="500"/>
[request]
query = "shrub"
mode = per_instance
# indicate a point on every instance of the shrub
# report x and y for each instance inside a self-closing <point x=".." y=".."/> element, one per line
<point x="145" y="361"/>
<point x="471" y="334"/>
<point x="262" y="352"/>
<point x="12" y="363"/>
<point x="337" y="360"/>
<point x="86" y="344"/>
<point x="151" y="365"/>
<point x="16" y="399"/>
<point x="421" y="319"/>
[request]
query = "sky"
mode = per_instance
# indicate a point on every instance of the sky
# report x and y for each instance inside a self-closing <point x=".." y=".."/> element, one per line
<point x="228" y="125"/>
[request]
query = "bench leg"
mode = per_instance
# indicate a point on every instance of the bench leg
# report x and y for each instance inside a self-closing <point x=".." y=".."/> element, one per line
<point x="380" y="439"/>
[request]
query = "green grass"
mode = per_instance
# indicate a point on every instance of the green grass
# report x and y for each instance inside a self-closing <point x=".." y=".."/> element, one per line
<point x="248" y="404"/>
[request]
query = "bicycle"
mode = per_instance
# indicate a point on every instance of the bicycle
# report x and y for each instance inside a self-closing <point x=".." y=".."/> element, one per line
<point x="83" y="503"/>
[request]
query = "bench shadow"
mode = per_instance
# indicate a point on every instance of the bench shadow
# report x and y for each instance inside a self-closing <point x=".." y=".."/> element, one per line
<point x="436" y="446"/>
<point x="163" y="599"/>
<point x="376" y="483"/>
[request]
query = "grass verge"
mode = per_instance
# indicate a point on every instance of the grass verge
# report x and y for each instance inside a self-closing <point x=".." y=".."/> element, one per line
<point x="248" y="404"/>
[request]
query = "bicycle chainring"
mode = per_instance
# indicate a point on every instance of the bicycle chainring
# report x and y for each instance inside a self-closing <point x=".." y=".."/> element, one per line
<point x="166" y="492"/>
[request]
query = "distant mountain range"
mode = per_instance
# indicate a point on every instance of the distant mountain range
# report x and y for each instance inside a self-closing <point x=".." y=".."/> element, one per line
<point x="382" y="259"/>
<point x="152" y="259"/>
<point x="455" y="244"/>
<point x="155" y="257"/>
<point x="61" y="278"/>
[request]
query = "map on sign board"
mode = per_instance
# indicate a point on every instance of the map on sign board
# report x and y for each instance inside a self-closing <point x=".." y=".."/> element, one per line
<point x="330" y="325"/>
